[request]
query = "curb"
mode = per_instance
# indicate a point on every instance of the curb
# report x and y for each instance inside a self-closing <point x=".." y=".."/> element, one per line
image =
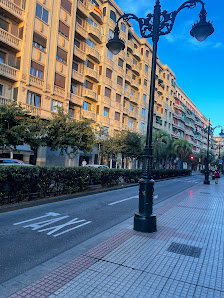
<point x="44" y="201"/>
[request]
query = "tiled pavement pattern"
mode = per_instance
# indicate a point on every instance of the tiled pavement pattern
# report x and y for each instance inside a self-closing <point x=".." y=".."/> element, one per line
<point x="132" y="264"/>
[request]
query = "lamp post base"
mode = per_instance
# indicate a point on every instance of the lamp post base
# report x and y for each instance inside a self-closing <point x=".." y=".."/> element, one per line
<point x="206" y="182"/>
<point x="145" y="224"/>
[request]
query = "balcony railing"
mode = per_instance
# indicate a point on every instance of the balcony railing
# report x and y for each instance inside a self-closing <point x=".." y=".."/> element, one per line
<point x="93" y="53"/>
<point x="127" y="94"/>
<point x="34" y="81"/>
<point x="9" y="8"/>
<point x="9" y="72"/>
<point x="90" y="94"/>
<point x="136" y="69"/>
<point x="96" y="12"/>
<point x="77" y="76"/>
<point x="81" y="31"/>
<point x="91" y="73"/>
<point x="134" y="84"/>
<point x="137" y="54"/>
<point x="81" y="55"/>
<point x="130" y="45"/>
<point x="89" y="114"/>
<point x="126" y="111"/>
<point x="129" y="62"/>
<point x="128" y="78"/>
<point x="36" y="111"/>
<point x="10" y="40"/>
<point x="95" y="33"/>
<point x="59" y="91"/>
<point x="77" y="100"/>
<point x="134" y="99"/>
<point x="133" y="114"/>
<point x="83" y="9"/>
<point x="5" y="101"/>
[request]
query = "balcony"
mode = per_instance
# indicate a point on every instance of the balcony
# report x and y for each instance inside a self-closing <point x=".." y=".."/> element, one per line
<point x="127" y="94"/>
<point x="93" y="53"/>
<point x="128" y="78"/>
<point x="130" y="45"/>
<point x="133" y="114"/>
<point x="8" y="8"/>
<point x="129" y="62"/>
<point x="137" y="54"/>
<point x="36" y="111"/>
<point x="134" y="84"/>
<point x="77" y="76"/>
<point x="10" y="41"/>
<point x="79" y="54"/>
<point x="95" y="33"/>
<point x="5" y="101"/>
<point x="59" y="91"/>
<point x="92" y="74"/>
<point x="9" y="72"/>
<point x="36" y="82"/>
<point x="90" y="94"/>
<point x="81" y="31"/>
<point x="136" y="69"/>
<point x="83" y="9"/>
<point x="96" y="13"/>
<point x="126" y="111"/>
<point x="134" y="99"/>
<point x="76" y="100"/>
<point x="89" y="115"/>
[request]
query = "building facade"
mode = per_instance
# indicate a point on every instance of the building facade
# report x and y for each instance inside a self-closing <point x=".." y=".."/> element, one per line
<point x="53" y="54"/>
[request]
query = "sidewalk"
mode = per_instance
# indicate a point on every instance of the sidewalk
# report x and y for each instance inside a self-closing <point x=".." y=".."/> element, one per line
<point x="184" y="258"/>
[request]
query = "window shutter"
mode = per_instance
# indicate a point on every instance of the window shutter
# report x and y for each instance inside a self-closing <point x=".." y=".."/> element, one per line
<point x="107" y="92"/>
<point x="59" y="80"/>
<point x="63" y="29"/>
<point x="108" y="73"/>
<point x="37" y="66"/>
<point x="39" y="40"/>
<point x="117" y="116"/>
<point x="62" y="54"/>
<point x="67" y="5"/>
<point x="118" y="98"/>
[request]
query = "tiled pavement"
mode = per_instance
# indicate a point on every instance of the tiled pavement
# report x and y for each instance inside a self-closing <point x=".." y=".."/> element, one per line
<point x="184" y="258"/>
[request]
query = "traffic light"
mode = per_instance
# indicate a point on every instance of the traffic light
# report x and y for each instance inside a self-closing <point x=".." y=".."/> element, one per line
<point x="192" y="157"/>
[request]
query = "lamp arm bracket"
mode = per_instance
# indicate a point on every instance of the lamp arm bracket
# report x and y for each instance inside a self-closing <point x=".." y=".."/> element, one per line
<point x="167" y="19"/>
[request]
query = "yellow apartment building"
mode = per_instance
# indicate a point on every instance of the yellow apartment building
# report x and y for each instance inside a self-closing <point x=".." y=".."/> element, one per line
<point x="53" y="53"/>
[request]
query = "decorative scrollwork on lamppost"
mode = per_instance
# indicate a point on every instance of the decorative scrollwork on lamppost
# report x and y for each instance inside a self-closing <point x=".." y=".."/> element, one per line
<point x="153" y="26"/>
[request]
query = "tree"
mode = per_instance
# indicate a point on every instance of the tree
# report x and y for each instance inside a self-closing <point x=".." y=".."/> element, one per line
<point x="182" y="149"/>
<point x="161" y="145"/>
<point x="101" y="136"/>
<point x="68" y="135"/>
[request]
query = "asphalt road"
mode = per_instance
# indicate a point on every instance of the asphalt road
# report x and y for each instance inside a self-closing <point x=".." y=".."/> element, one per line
<point x="31" y="236"/>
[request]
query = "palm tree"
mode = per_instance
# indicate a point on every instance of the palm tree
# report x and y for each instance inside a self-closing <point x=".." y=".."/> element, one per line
<point x="182" y="149"/>
<point x="161" y="141"/>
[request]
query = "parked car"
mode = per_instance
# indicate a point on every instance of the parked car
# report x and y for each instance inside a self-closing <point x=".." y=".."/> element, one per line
<point x="98" y="166"/>
<point x="12" y="162"/>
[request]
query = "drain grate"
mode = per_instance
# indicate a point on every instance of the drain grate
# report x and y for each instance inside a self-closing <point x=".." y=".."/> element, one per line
<point x="184" y="249"/>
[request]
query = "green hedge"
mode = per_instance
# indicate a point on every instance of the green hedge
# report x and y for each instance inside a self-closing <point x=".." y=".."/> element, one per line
<point x="29" y="183"/>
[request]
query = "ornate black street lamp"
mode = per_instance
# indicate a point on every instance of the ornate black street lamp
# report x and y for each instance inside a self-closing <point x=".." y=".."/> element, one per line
<point x="155" y="25"/>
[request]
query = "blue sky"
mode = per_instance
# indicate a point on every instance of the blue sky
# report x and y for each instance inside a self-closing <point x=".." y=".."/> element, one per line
<point x="199" y="67"/>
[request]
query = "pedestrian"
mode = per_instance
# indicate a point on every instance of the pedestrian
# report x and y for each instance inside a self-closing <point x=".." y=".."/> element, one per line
<point x="216" y="176"/>
<point x="84" y="163"/>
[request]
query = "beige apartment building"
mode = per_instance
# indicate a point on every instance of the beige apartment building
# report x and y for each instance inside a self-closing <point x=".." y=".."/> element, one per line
<point x="53" y="53"/>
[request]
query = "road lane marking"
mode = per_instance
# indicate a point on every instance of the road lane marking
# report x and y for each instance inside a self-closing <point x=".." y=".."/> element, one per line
<point x="46" y="215"/>
<point x="56" y="228"/>
<point x="86" y="223"/>
<point x="117" y="202"/>
<point x="38" y="225"/>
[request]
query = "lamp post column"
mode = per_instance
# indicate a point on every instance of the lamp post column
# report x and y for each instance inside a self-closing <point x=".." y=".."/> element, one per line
<point x="206" y="181"/>
<point x="145" y="220"/>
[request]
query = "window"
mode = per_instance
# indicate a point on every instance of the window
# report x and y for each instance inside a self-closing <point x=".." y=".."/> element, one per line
<point x="88" y="85"/>
<point x="143" y="112"/>
<point x="104" y="11"/>
<point x="169" y="125"/>
<point x="167" y="88"/>
<point x="171" y="103"/>
<point x="91" y="22"/>
<point x="59" y="80"/>
<point x="171" y="92"/>
<point x="75" y="66"/>
<point x="33" y="99"/>
<point x="90" y="64"/>
<point x="131" y="107"/>
<point x="169" y="114"/>
<point x="108" y="73"/>
<point x="67" y="5"/>
<point x="109" y="54"/>
<point x="129" y="123"/>
<point x="147" y="53"/>
<point x="86" y="106"/>
<point x="119" y="81"/>
<point x="42" y="13"/>
<point x="111" y="34"/>
<point x="118" y="98"/>
<point x="1" y="89"/>
<point x="165" y="111"/>
<point x="74" y="89"/>
<point x="91" y="43"/>
<point x="117" y="116"/>
<point x="123" y="27"/>
<point x="144" y="97"/>
<point x="106" y="112"/>
<point x="132" y="92"/>
<point x="164" y="75"/>
<point x="142" y="126"/>
<point x="77" y="43"/>
<point x="133" y="77"/>
<point x="134" y="62"/>
<point x="113" y="16"/>
<point x="55" y="105"/>
<point x="107" y="92"/>
<point x="39" y="41"/>
<point x="142" y="51"/>
<point x="146" y="68"/>
<point x="36" y="70"/>
<point x="78" y="20"/>
<point x="145" y="82"/>
<point x="2" y="57"/>
<point x="120" y="62"/>
<point x="168" y="76"/>
<point x="4" y="25"/>
<point x="100" y="70"/>
<point x="63" y="29"/>
<point x="61" y="55"/>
